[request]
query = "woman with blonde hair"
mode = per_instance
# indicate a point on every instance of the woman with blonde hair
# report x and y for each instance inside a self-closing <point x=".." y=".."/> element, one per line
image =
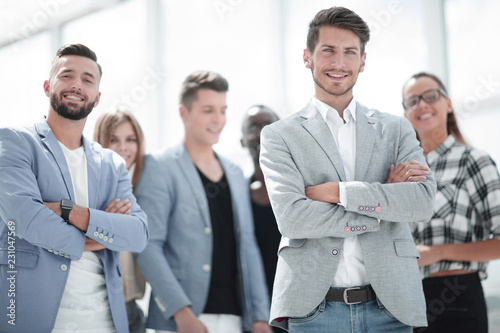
<point x="120" y="131"/>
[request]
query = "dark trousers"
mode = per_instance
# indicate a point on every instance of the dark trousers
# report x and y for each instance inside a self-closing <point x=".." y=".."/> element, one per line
<point x="135" y="317"/>
<point x="455" y="304"/>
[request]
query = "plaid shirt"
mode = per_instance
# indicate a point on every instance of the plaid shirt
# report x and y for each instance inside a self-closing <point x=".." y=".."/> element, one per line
<point x="467" y="204"/>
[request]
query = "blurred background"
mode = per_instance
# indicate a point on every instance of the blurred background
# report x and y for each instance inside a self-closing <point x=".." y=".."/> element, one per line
<point x="147" y="47"/>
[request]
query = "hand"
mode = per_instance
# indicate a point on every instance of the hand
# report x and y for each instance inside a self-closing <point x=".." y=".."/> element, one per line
<point x="92" y="245"/>
<point x="261" y="327"/>
<point x="407" y="172"/>
<point x="119" y="207"/>
<point x="327" y="192"/>
<point x="187" y="322"/>
<point x="428" y="254"/>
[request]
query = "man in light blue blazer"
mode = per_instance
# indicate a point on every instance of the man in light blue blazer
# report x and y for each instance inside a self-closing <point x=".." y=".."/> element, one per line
<point x="202" y="260"/>
<point x="58" y="247"/>
<point x="347" y="260"/>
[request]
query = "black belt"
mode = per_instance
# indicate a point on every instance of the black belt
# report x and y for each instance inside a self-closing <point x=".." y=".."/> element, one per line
<point x="351" y="295"/>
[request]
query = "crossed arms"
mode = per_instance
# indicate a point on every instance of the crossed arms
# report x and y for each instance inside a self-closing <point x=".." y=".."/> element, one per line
<point x="37" y="215"/>
<point x="289" y="168"/>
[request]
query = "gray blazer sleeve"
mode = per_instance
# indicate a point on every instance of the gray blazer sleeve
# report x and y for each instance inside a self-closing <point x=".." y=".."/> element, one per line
<point x="398" y="202"/>
<point x="286" y="162"/>
<point x="298" y="216"/>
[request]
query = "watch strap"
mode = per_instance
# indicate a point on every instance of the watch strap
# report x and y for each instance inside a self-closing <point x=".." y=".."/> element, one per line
<point x="66" y="206"/>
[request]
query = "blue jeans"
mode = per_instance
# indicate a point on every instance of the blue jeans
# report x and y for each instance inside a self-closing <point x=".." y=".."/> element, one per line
<point x="338" y="317"/>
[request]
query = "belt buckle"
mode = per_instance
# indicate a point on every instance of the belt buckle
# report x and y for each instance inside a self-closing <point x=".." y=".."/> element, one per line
<point x="345" y="295"/>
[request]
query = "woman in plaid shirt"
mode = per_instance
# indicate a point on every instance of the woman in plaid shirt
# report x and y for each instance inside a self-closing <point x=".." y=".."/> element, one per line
<point x="463" y="234"/>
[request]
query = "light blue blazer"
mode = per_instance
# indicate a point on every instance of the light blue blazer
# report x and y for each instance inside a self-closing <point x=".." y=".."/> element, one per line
<point x="300" y="151"/>
<point x="33" y="169"/>
<point x="177" y="261"/>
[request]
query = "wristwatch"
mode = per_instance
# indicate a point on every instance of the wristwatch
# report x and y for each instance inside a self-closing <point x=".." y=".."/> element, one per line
<point x="66" y="206"/>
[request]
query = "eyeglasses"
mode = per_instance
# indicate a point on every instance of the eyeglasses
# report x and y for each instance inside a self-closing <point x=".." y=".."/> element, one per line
<point x="430" y="96"/>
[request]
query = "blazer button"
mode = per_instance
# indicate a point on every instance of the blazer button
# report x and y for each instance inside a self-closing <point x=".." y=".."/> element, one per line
<point x="64" y="268"/>
<point x="208" y="230"/>
<point x="101" y="236"/>
<point x="335" y="252"/>
<point x="105" y="238"/>
<point x="206" y="268"/>
<point x="96" y="233"/>
<point x="361" y="208"/>
<point x="110" y="240"/>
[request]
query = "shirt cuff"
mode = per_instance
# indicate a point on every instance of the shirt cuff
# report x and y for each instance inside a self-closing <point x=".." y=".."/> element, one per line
<point x="342" y="195"/>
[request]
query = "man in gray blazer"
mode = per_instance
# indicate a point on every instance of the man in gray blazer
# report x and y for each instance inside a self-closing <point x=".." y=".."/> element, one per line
<point x="347" y="260"/>
<point x="202" y="260"/>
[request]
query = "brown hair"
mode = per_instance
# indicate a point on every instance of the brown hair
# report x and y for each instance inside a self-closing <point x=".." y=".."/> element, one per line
<point x="104" y="128"/>
<point x="451" y="121"/>
<point x="338" y="17"/>
<point x="200" y="80"/>
<point x="78" y="50"/>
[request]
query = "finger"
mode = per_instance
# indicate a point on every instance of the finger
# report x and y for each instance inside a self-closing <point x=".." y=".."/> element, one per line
<point x="119" y="207"/>
<point x="415" y="179"/>
<point x="111" y="206"/>
<point x="414" y="172"/>
<point x="408" y="164"/>
<point x="122" y="203"/>
<point x="125" y="209"/>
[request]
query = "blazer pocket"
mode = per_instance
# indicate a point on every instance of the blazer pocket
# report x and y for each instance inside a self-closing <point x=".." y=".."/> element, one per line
<point x="21" y="258"/>
<point x="406" y="248"/>
<point x="291" y="242"/>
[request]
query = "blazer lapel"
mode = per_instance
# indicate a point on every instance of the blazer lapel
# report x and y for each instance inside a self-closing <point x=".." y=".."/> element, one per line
<point x="192" y="178"/>
<point x="52" y="145"/>
<point x="94" y="159"/>
<point x="365" y="139"/>
<point x="317" y="127"/>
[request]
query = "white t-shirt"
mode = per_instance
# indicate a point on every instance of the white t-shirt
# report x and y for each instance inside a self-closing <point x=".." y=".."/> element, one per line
<point x="84" y="305"/>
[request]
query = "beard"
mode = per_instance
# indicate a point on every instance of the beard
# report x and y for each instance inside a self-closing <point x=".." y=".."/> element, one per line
<point x="338" y="90"/>
<point x="69" y="111"/>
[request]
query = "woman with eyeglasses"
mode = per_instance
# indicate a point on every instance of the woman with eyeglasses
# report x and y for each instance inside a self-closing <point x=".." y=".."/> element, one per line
<point x="463" y="234"/>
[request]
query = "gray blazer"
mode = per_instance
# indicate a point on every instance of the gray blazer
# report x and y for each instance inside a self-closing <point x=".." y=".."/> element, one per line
<point x="299" y="151"/>
<point x="177" y="261"/>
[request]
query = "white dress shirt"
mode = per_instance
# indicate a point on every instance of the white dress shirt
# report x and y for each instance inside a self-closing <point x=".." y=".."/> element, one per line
<point x="351" y="270"/>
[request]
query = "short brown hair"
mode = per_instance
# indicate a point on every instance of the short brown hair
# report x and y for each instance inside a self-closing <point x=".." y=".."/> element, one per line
<point x="105" y="126"/>
<point x="78" y="50"/>
<point x="338" y="17"/>
<point x="200" y="80"/>
<point x="451" y="121"/>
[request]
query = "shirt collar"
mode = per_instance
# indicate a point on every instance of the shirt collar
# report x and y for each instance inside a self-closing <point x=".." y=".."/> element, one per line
<point x="323" y="109"/>
<point x="442" y="149"/>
